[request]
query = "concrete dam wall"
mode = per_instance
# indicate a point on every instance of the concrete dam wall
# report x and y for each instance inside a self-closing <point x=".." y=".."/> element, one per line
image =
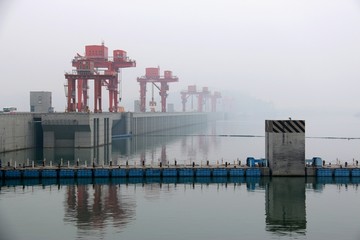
<point x="142" y="123"/>
<point x="17" y="131"/>
<point x="83" y="130"/>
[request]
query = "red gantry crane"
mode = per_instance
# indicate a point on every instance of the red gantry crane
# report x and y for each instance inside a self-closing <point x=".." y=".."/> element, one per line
<point x="191" y="91"/>
<point x="104" y="70"/>
<point x="152" y="75"/>
<point x="202" y="97"/>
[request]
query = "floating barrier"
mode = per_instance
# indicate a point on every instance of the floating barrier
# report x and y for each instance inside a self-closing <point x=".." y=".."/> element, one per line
<point x="355" y="173"/>
<point x="341" y="172"/>
<point x="66" y="173"/>
<point x="13" y="174"/>
<point x="236" y="172"/>
<point x="224" y="170"/>
<point x="186" y="172"/>
<point x="118" y="172"/>
<point x="220" y="172"/>
<point x="84" y="173"/>
<point x="324" y="172"/>
<point x="33" y="173"/>
<point x="136" y="172"/>
<point x="151" y="172"/>
<point x="203" y="172"/>
<point x="253" y="172"/>
<point x="100" y="172"/>
<point x="49" y="173"/>
<point x="169" y="172"/>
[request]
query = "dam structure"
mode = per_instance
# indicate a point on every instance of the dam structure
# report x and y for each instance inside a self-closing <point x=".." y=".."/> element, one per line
<point x="20" y="131"/>
<point x="285" y="148"/>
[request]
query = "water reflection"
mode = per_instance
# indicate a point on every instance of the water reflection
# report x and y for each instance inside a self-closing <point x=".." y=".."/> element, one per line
<point x="93" y="207"/>
<point x="285" y="206"/>
<point x="184" y="144"/>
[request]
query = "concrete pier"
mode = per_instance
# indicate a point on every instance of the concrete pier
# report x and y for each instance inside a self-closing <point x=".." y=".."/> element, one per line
<point x="79" y="130"/>
<point x="285" y="147"/>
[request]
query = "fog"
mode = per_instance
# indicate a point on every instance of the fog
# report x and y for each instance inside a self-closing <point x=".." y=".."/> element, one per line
<point x="286" y="56"/>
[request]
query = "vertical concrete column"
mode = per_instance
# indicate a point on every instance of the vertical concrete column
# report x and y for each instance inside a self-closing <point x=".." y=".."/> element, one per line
<point x="285" y="147"/>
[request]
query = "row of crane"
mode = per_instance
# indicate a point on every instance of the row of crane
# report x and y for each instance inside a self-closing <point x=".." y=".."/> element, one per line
<point x="105" y="71"/>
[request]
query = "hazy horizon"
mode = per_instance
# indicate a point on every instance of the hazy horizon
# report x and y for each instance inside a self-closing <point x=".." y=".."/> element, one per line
<point x="290" y="56"/>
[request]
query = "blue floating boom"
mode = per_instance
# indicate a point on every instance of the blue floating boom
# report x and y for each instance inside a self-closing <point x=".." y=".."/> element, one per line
<point x="151" y="172"/>
<point x="13" y="174"/>
<point x="48" y="173"/>
<point x="341" y="172"/>
<point x="84" y="173"/>
<point x="186" y="172"/>
<point x="136" y="172"/>
<point x="118" y="172"/>
<point x="100" y="172"/>
<point x="220" y="172"/>
<point x="33" y="173"/>
<point x="66" y="173"/>
<point x="236" y="172"/>
<point x="253" y="172"/>
<point x="169" y="172"/>
<point x="355" y="173"/>
<point x="324" y="172"/>
<point x="203" y="172"/>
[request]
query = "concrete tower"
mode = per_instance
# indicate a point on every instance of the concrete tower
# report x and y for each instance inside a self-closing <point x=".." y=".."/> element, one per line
<point x="40" y="102"/>
<point x="285" y="147"/>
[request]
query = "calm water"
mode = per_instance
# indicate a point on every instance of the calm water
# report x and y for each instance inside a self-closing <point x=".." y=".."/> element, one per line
<point x="200" y="208"/>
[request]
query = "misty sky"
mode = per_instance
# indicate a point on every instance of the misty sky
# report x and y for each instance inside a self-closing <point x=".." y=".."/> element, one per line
<point x="290" y="53"/>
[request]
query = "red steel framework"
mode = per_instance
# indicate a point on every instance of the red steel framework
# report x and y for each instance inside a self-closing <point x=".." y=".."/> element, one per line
<point x="152" y="75"/>
<point x="202" y="97"/>
<point x="104" y="70"/>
